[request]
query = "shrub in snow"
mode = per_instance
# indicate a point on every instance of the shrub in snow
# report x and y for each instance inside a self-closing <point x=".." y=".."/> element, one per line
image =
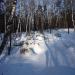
<point x="23" y="50"/>
<point x="58" y="35"/>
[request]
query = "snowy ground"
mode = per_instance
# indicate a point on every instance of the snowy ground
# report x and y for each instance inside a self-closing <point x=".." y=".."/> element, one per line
<point x="46" y="54"/>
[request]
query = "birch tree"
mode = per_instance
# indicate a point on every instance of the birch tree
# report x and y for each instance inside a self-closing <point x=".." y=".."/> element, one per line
<point x="72" y="7"/>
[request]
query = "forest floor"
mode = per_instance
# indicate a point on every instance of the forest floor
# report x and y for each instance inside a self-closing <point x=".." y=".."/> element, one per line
<point x="40" y="54"/>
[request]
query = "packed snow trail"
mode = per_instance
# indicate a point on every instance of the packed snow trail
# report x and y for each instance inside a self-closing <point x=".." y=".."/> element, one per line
<point x="47" y="54"/>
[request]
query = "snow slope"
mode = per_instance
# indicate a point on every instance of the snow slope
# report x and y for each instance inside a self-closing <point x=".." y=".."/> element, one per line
<point x="47" y="54"/>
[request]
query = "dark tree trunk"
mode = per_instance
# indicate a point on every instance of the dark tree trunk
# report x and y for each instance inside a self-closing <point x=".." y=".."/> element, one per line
<point x="4" y="42"/>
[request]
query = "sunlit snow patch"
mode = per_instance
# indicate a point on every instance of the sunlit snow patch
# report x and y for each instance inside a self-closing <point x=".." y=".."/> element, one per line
<point x="38" y="49"/>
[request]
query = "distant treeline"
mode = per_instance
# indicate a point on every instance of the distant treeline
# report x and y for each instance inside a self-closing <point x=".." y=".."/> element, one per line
<point x="38" y="22"/>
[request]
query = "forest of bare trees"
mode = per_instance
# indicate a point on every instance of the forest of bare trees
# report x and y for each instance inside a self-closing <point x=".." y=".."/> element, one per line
<point x="27" y="15"/>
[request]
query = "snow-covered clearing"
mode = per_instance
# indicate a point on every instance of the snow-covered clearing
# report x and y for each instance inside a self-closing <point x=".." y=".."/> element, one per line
<point x="41" y="54"/>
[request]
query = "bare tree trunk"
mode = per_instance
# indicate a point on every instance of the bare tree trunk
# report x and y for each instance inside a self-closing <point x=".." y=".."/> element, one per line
<point x="57" y="21"/>
<point x="42" y="20"/>
<point x="5" y="22"/>
<point x="50" y="26"/>
<point x="65" y="19"/>
<point x="13" y="25"/>
<point x="26" y="23"/>
<point x="3" y="42"/>
<point x="29" y="24"/>
<point x="18" y="26"/>
<point x="72" y="14"/>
